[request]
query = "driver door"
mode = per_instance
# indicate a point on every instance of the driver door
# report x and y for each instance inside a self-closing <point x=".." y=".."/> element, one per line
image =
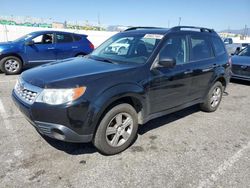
<point x="42" y="50"/>
<point x="169" y="87"/>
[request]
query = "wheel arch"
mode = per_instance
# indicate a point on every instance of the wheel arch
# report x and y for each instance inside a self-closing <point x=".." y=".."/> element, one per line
<point x="12" y="54"/>
<point x="80" y="53"/>
<point x="111" y="98"/>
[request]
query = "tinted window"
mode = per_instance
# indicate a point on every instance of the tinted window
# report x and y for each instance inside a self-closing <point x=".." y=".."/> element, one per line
<point x="175" y="48"/>
<point x="218" y="46"/>
<point x="200" y="49"/>
<point x="77" y="37"/>
<point x="43" y="39"/>
<point x="63" y="38"/>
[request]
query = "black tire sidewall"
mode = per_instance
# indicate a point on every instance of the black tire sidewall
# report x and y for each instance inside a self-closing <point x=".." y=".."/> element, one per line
<point x="3" y="61"/>
<point x="100" y="136"/>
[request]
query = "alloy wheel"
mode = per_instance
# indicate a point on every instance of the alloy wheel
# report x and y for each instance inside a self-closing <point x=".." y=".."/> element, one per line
<point x="11" y="65"/>
<point x="216" y="96"/>
<point x="119" y="129"/>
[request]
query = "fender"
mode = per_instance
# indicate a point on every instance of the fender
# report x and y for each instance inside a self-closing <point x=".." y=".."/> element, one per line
<point x="107" y="97"/>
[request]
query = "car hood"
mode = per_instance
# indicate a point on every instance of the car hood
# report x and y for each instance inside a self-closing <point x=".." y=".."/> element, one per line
<point x="240" y="60"/>
<point x="4" y="45"/>
<point x="71" y="72"/>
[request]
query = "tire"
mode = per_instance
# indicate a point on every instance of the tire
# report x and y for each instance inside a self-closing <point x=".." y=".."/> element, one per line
<point x="11" y="65"/>
<point x="213" y="98"/>
<point x="120" y="135"/>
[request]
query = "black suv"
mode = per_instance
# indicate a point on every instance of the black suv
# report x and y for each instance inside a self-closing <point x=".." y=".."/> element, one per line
<point x="133" y="77"/>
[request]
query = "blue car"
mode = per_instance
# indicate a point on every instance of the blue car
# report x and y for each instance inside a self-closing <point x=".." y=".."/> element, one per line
<point x="41" y="47"/>
<point x="241" y="64"/>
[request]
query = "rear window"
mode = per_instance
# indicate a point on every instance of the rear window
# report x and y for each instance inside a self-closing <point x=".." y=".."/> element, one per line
<point x="218" y="46"/>
<point x="200" y="49"/>
<point x="77" y="37"/>
<point x="63" y="38"/>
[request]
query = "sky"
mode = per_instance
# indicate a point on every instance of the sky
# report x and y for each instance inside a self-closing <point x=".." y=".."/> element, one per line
<point x="216" y="14"/>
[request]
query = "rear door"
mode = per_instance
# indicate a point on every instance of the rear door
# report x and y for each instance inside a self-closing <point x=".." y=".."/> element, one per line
<point x="42" y="51"/>
<point x="64" y="45"/>
<point x="203" y="63"/>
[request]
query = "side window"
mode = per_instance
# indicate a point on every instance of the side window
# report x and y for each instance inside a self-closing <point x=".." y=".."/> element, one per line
<point x="200" y="49"/>
<point x="176" y="48"/>
<point x="218" y="46"/>
<point x="63" y="38"/>
<point x="77" y="37"/>
<point x="43" y="39"/>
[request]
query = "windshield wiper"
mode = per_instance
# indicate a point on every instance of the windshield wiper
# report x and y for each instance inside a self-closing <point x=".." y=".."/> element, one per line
<point x="101" y="59"/>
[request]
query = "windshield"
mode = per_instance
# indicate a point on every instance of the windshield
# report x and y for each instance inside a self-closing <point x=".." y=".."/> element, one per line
<point x="23" y="38"/>
<point x="127" y="48"/>
<point x="245" y="52"/>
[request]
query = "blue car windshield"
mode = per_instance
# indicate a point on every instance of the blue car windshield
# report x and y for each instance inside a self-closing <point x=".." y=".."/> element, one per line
<point x="24" y="38"/>
<point x="245" y="51"/>
<point x="127" y="48"/>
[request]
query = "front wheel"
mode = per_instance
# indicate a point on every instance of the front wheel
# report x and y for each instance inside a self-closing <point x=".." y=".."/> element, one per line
<point x="117" y="130"/>
<point x="11" y="65"/>
<point x="213" y="98"/>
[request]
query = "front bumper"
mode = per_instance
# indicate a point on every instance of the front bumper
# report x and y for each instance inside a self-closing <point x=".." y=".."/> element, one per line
<point x="58" y="123"/>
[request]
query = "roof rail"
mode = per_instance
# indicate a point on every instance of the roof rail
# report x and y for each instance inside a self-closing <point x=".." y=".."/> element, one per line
<point x="202" y="29"/>
<point x="138" y="28"/>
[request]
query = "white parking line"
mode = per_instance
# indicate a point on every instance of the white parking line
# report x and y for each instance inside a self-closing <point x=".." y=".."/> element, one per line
<point x="208" y="182"/>
<point x="17" y="146"/>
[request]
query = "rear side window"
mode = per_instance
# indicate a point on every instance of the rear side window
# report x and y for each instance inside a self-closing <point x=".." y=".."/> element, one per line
<point x="218" y="46"/>
<point x="200" y="49"/>
<point x="63" y="38"/>
<point x="77" y="37"/>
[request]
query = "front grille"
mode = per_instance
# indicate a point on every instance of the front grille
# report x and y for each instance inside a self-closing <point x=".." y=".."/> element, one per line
<point x="26" y="92"/>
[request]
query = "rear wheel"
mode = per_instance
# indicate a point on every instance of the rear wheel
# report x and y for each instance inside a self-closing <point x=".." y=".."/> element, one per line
<point x="117" y="130"/>
<point x="11" y="65"/>
<point x="213" y="98"/>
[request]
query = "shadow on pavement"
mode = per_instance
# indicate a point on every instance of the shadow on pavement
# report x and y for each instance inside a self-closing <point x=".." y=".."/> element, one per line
<point x="71" y="148"/>
<point x="161" y="121"/>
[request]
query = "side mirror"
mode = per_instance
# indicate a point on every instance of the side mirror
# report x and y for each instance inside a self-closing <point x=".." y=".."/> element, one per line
<point x="29" y="43"/>
<point x="167" y="62"/>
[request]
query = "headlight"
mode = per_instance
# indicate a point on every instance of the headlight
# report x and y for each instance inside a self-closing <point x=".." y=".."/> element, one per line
<point x="60" y="96"/>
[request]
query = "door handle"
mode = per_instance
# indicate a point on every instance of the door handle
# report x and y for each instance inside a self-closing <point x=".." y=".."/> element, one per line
<point x="51" y="48"/>
<point x="74" y="47"/>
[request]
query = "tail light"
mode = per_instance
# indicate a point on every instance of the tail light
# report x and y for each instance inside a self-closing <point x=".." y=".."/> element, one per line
<point x="91" y="46"/>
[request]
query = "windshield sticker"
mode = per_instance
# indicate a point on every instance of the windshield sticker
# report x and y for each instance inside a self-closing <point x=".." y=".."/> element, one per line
<point x="153" y="36"/>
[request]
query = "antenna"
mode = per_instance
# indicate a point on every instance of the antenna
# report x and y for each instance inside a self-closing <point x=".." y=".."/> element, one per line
<point x="179" y="21"/>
